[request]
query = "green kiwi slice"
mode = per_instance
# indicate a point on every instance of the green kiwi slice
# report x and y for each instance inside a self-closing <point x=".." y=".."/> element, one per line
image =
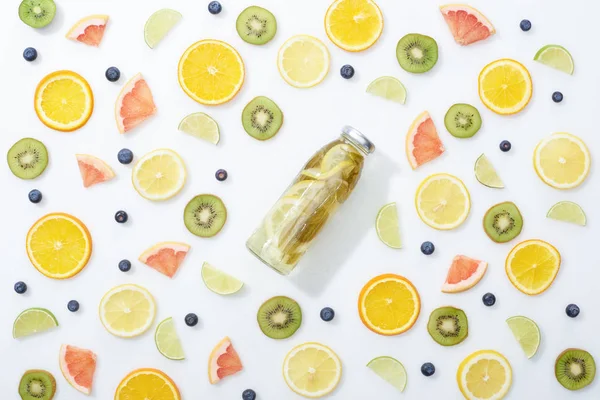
<point x="575" y="369"/>
<point x="27" y="158"/>
<point x="279" y="317"/>
<point x="462" y="121"/>
<point x="37" y="13"/>
<point x="262" y="118"/>
<point x="448" y="325"/>
<point x="503" y="222"/>
<point x="205" y="215"/>
<point x="37" y="384"/>
<point x="417" y="53"/>
<point x="256" y="25"/>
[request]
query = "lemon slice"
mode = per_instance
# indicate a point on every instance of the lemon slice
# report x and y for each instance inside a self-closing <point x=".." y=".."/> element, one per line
<point x="387" y="226"/>
<point x="127" y="310"/>
<point x="303" y="61"/>
<point x="33" y="320"/>
<point x="567" y="211"/>
<point x="391" y="370"/>
<point x="312" y="370"/>
<point x="557" y="57"/>
<point x="505" y="86"/>
<point x="159" y="175"/>
<point x="284" y="213"/>
<point x="340" y="153"/>
<point x="443" y="201"/>
<point x="159" y="24"/>
<point x="527" y="334"/>
<point x="486" y="173"/>
<point x="167" y="341"/>
<point x="532" y="266"/>
<point x="484" y="375"/>
<point x="388" y="88"/>
<point x="305" y="187"/>
<point x="220" y="282"/>
<point x="201" y="126"/>
<point x="353" y="25"/>
<point x="562" y="161"/>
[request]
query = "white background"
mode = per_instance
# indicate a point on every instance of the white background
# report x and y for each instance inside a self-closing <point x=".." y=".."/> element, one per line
<point x="348" y="253"/>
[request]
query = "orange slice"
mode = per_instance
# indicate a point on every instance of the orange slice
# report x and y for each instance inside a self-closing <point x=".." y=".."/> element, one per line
<point x="353" y="25"/>
<point x="505" y="86"/>
<point x="223" y="361"/>
<point x="165" y="257"/>
<point x="134" y="105"/>
<point x="78" y="367"/>
<point x="422" y="141"/>
<point x="532" y="266"/>
<point x="466" y="23"/>
<point x="93" y="170"/>
<point x="464" y="273"/>
<point x="147" y="383"/>
<point x="89" y="30"/>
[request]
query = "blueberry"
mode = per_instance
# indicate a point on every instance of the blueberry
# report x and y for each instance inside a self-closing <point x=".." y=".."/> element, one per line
<point x="248" y="394"/>
<point x="121" y="217"/>
<point x="125" y="156"/>
<point x="489" y="299"/>
<point x="73" y="306"/>
<point x="20" y="287"/>
<point x="428" y="369"/>
<point x="572" y="310"/>
<point x="505" y="146"/>
<point x="327" y="314"/>
<point x="30" y="54"/>
<point x="427" y="248"/>
<point x="35" y="196"/>
<point x="347" y="71"/>
<point x="112" y="74"/>
<point x="221" y="175"/>
<point x="214" y="7"/>
<point x="191" y="319"/>
<point x="525" y="25"/>
<point x="557" y="97"/>
<point x="124" y="265"/>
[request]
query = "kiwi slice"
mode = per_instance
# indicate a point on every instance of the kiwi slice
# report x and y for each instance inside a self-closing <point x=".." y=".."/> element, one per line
<point x="205" y="215"/>
<point x="575" y="369"/>
<point x="37" y="13"/>
<point x="417" y="53"/>
<point x="448" y="325"/>
<point x="503" y="222"/>
<point x="279" y="317"/>
<point x="462" y="120"/>
<point x="256" y="25"/>
<point x="262" y="118"/>
<point x="37" y="384"/>
<point x="27" y="158"/>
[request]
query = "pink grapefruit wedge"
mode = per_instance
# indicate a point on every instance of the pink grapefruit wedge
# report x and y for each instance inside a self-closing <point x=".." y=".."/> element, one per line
<point x="78" y="367"/>
<point x="422" y="141"/>
<point x="466" y="23"/>
<point x="93" y="170"/>
<point x="165" y="257"/>
<point x="89" y="30"/>
<point x="223" y="361"/>
<point x="134" y="105"/>
<point x="464" y="273"/>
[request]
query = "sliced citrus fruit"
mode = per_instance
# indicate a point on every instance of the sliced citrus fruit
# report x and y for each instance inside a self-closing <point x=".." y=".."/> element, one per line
<point x="219" y="281"/>
<point x="78" y="367"/>
<point x="387" y="227"/>
<point x="167" y="341"/>
<point x="159" y="24"/>
<point x="211" y="72"/>
<point x="303" y="61"/>
<point x="532" y="265"/>
<point x="562" y="160"/>
<point x="422" y="141"/>
<point x="33" y="320"/>
<point x="127" y="310"/>
<point x="484" y="375"/>
<point x="64" y="101"/>
<point x="464" y="273"/>
<point x="201" y="126"/>
<point x="527" y="334"/>
<point x="147" y="383"/>
<point x="391" y="370"/>
<point x="159" y="175"/>
<point x="89" y="30"/>
<point x="134" y="105"/>
<point x="486" y="173"/>
<point x="93" y="170"/>
<point x="443" y="201"/>
<point x="59" y="245"/>
<point x="389" y="304"/>
<point x="466" y="23"/>
<point x="505" y="86"/>
<point x="557" y="57"/>
<point x="312" y="370"/>
<point x="338" y="154"/>
<point x="567" y="211"/>
<point x="353" y="25"/>
<point x="165" y="257"/>
<point x="223" y="361"/>
<point x="388" y="88"/>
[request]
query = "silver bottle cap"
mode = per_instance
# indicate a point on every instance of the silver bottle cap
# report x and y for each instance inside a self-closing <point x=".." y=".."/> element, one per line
<point x="358" y="139"/>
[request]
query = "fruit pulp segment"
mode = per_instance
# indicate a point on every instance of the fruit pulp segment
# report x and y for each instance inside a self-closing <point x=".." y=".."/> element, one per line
<point x="486" y="378"/>
<point x="390" y="305"/>
<point x="312" y="370"/>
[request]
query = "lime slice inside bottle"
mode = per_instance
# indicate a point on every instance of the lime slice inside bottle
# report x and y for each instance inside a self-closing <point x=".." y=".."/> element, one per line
<point x="201" y="126"/>
<point x="387" y="226"/>
<point x="391" y="370"/>
<point x="567" y="211"/>
<point x="159" y="24"/>
<point x="527" y="334"/>
<point x="167" y="341"/>
<point x="486" y="173"/>
<point x="220" y="282"/>
<point x="32" y="321"/>
<point x="557" y="57"/>
<point x="388" y="88"/>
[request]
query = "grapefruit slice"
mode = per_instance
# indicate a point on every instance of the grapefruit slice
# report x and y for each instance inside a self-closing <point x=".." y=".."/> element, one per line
<point x="223" y="361"/>
<point x="466" y="23"/>
<point x="93" y="170"/>
<point x="78" y="367"/>
<point x="464" y="273"/>
<point x="422" y="141"/>
<point x="134" y="105"/>
<point x="89" y="30"/>
<point x="165" y="257"/>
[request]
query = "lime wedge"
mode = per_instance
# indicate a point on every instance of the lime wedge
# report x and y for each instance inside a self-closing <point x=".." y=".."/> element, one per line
<point x="389" y="369"/>
<point x="201" y="126"/>
<point x="567" y="211"/>
<point x="486" y="174"/>
<point x="167" y="341"/>
<point x="389" y="88"/>
<point x="218" y="281"/>
<point x="33" y="320"/>
<point x="159" y="24"/>
<point x="387" y="226"/>
<point x="556" y="56"/>
<point x="527" y="334"/>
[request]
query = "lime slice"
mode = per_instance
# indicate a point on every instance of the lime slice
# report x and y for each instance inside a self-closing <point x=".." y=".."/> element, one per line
<point x="159" y="24"/>
<point x="527" y="334"/>
<point x="389" y="369"/>
<point x="218" y="281"/>
<point x="167" y="341"/>
<point x="33" y="320"/>
<point x="387" y="226"/>
<point x="486" y="174"/>
<point x="567" y="211"/>
<point x="201" y="126"/>
<point x="389" y="88"/>
<point x="556" y="56"/>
